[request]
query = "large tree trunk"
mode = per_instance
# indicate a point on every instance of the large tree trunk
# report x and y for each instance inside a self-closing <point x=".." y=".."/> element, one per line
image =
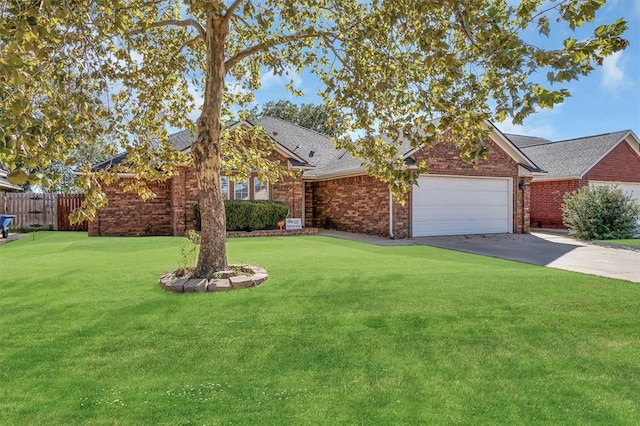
<point x="206" y="156"/>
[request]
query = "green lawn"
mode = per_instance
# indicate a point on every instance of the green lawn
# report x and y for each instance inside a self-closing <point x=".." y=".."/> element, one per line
<point x="634" y="242"/>
<point x="341" y="333"/>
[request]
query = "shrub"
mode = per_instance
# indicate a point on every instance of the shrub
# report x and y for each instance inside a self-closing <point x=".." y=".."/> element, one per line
<point x="250" y="215"/>
<point x="600" y="213"/>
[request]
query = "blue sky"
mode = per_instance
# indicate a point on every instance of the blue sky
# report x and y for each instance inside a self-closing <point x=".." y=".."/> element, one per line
<point x="607" y="100"/>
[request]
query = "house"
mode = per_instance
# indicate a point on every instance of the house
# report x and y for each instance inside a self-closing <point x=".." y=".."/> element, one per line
<point x="570" y="164"/>
<point x="5" y="185"/>
<point x="333" y="190"/>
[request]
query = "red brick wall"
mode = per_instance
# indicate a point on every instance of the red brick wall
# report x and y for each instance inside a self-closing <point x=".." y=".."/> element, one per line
<point x="546" y="201"/>
<point x="402" y="218"/>
<point x="127" y="215"/>
<point x="289" y="191"/>
<point x="622" y="164"/>
<point x="444" y="158"/>
<point x="355" y="204"/>
<point x="184" y="195"/>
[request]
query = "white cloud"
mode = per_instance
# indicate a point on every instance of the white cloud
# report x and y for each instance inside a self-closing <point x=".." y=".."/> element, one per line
<point x="540" y="124"/>
<point x="540" y="130"/>
<point x="636" y="7"/>
<point x="269" y="79"/>
<point x="612" y="73"/>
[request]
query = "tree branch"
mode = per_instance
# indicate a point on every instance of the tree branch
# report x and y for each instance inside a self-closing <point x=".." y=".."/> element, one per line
<point x="263" y="47"/>
<point x="188" y="43"/>
<point x="182" y="23"/>
<point x="231" y="10"/>
<point x="542" y="12"/>
<point x="332" y="47"/>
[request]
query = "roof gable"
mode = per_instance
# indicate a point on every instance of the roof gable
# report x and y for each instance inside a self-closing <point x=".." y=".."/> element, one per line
<point x="573" y="158"/>
<point x="313" y="147"/>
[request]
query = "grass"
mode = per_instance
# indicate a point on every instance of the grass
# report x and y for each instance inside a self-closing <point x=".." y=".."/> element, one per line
<point x="341" y="333"/>
<point x="634" y="242"/>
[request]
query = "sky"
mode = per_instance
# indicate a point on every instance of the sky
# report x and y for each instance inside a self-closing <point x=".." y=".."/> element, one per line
<point x="607" y="100"/>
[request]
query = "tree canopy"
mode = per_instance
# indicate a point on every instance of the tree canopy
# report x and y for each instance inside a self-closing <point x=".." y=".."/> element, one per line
<point x="310" y="116"/>
<point x="412" y="69"/>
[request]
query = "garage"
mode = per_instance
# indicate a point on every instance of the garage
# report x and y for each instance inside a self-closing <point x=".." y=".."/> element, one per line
<point x="452" y="205"/>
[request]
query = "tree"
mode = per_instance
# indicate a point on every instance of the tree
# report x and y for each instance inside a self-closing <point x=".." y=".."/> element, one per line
<point x="389" y="68"/>
<point x="310" y="116"/>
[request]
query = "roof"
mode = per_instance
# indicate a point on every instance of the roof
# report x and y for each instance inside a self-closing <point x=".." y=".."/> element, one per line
<point x="522" y="141"/>
<point x="110" y="162"/>
<point x="315" y="148"/>
<point x="182" y="140"/>
<point x="5" y="184"/>
<point x="572" y="157"/>
<point x="316" y="152"/>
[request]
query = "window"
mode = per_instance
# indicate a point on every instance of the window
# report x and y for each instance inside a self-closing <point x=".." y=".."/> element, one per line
<point x="260" y="190"/>
<point x="224" y="186"/>
<point x="241" y="190"/>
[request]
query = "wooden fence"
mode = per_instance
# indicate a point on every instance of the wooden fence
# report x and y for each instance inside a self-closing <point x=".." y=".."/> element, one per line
<point x="41" y="211"/>
<point x="66" y="204"/>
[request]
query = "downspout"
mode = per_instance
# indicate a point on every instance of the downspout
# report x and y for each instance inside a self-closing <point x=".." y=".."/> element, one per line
<point x="304" y="204"/>
<point x="390" y="215"/>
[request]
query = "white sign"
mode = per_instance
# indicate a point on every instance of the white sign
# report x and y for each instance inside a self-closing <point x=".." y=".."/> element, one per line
<point x="294" y="223"/>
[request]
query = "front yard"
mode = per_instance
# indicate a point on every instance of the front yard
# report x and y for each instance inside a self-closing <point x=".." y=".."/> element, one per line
<point x="341" y="333"/>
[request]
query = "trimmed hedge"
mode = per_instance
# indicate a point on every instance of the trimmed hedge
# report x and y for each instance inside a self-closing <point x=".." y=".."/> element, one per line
<point x="250" y="215"/>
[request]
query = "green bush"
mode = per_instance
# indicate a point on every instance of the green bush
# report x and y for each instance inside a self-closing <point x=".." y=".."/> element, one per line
<point x="600" y="213"/>
<point x="250" y="215"/>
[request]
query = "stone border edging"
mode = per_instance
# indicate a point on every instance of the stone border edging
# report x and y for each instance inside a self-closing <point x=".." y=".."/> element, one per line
<point x="272" y="233"/>
<point x="251" y="276"/>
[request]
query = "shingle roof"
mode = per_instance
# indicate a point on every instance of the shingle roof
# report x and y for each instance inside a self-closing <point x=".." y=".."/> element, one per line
<point x="522" y="141"/>
<point x="315" y="148"/>
<point x="182" y="140"/>
<point x="573" y="157"/>
<point x="110" y="162"/>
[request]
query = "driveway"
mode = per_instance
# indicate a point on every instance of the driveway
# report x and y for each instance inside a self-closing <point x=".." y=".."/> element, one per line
<point x="554" y="251"/>
<point x="12" y="237"/>
<point x="537" y="248"/>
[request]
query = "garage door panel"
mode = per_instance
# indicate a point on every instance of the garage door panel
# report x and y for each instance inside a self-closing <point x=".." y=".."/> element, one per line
<point x="452" y="198"/>
<point x="476" y="227"/>
<point x="455" y="213"/>
<point x="448" y="205"/>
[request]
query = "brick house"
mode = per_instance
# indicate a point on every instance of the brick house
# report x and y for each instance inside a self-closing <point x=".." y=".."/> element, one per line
<point x="571" y="164"/>
<point x="333" y="190"/>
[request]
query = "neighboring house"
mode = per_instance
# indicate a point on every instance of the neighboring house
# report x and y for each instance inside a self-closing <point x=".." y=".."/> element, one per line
<point x="333" y="190"/>
<point x="570" y="164"/>
<point x="5" y="185"/>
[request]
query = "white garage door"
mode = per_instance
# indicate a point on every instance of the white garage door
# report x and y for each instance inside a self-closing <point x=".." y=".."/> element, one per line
<point x="629" y="187"/>
<point x="448" y="205"/>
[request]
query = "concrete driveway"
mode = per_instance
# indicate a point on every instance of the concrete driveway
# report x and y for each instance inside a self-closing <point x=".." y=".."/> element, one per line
<point x="537" y="248"/>
<point x="554" y="251"/>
